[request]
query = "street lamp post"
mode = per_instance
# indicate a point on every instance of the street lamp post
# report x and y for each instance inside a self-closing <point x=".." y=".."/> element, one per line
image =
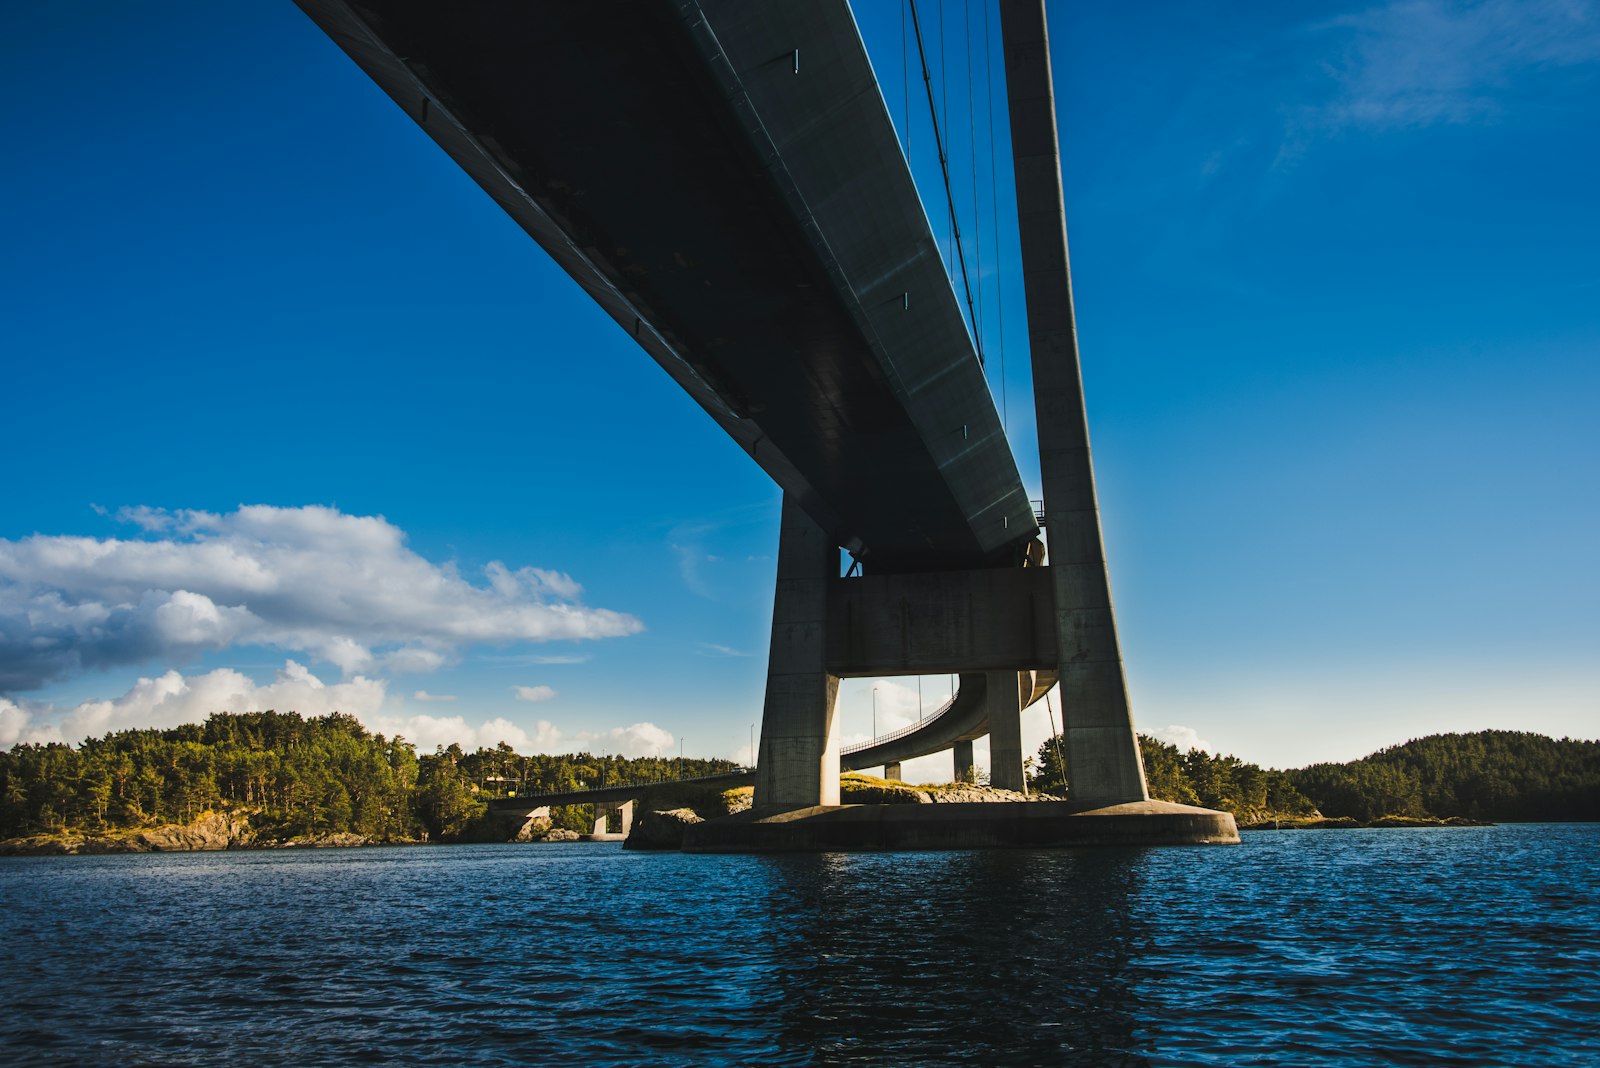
<point x="874" y="711"/>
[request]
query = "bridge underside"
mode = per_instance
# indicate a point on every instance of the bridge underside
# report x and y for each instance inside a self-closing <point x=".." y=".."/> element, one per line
<point x="723" y="178"/>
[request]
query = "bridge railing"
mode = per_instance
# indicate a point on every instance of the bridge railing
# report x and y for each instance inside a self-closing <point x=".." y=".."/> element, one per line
<point x="523" y="794"/>
<point x="902" y="732"/>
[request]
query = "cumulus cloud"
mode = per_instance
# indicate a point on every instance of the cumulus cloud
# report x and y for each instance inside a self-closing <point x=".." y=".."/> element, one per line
<point x="533" y="693"/>
<point x="634" y="740"/>
<point x="896" y="707"/>
<point x="341" y="588"/>
<point x="1185" y="738"/>
<point x="424" y="696"/>
<point x="170" y="699"/>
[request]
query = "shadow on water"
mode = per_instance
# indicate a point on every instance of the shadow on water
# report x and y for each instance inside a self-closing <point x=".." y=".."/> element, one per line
<point x="997" y="957"/>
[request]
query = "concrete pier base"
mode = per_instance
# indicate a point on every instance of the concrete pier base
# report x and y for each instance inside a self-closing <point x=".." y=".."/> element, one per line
<point x="602" y="821"/>
<point x="891" y="771"/>
<point x="976" y="825"/>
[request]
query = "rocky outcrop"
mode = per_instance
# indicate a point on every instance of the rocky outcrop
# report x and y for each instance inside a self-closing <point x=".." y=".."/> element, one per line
<point x="212" y="831"/>
<point x="858" y="789"/>
<point x="532" y="829"/>
<point x="963" y="792"/>
<point x="661" y="829"/>
<point x="559" y="834"/>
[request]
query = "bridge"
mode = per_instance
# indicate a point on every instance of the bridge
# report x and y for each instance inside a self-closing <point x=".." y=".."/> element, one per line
<point x="723" y="179"/>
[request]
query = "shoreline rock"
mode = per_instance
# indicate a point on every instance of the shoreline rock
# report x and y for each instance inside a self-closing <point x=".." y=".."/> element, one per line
<point x="1338" y="823"/>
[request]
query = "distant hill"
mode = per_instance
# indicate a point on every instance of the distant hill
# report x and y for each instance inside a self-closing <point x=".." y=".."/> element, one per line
<point x="1492" y="775"/>
<point x="1489" y="775"/>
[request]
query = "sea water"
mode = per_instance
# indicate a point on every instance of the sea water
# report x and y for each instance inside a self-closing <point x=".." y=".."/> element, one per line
<point x="1450" y="946"/>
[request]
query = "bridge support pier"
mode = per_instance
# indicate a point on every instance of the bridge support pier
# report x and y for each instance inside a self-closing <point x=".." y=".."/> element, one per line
<point x="1005" y="730"/>
<point x="798" y="763"/>
<point x="1102" y="753"/>
<point x="891" y="771"/>
<point x="964" y="771"/>
<point x="602" y="818"/>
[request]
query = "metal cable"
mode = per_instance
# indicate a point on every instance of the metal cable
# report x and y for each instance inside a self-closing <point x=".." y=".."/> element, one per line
<point x="944" y="170"/>
<point x="994" y="228"/>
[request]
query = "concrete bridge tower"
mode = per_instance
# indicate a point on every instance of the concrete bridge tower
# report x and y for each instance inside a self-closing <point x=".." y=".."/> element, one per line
<point x="798" y="764"/>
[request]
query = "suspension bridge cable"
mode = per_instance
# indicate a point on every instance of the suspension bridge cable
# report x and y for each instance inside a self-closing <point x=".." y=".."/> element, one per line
<point x="905" y="79"/>
<point x="994" y="228"/>
<point x="944" y="168"/>
<point x="944" y="94"/>
<point x="972" y="158"/>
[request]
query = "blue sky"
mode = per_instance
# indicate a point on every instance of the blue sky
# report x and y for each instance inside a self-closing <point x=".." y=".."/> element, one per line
<point x="1339" y="307"/>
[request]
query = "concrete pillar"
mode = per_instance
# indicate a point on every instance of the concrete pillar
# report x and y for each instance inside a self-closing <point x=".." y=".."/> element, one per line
<point x="627" y="817"/>
<point x="1004" y="704"/>
<point x="964" y="770"/>
<point x="891" y="770"/>
<point x="602" y="816"/>
<point x="798" y="762"/>
<point x="1103" y="762"/>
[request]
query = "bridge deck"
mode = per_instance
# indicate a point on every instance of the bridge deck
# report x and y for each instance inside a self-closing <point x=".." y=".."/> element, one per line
<point x="754" y="228"/>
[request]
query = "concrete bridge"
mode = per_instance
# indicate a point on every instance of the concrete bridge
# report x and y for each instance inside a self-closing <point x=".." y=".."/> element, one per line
<point x="723" y="178"/>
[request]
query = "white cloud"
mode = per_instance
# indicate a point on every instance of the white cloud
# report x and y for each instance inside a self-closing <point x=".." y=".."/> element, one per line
<point x="172" y="698"/>
<point x="428" y="733"/>
<point x="634" y="740"/>
<point x="895" y="707"/>
<point x="1185" y="738"/>
<point x="1421" y="62"/>
<point x="713" y="649"/>
<point x="16" y="725"/>
<point x="534" y="693"/>
<point x="424" y="696"/>
<point x="344" y="589"/>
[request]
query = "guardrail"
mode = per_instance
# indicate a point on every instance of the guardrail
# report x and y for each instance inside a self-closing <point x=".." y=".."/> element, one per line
<point x="902" y="732"/>
<point x="536" y="794"/>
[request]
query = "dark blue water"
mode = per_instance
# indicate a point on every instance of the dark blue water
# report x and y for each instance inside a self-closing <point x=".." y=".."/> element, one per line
<point x="1474" y="946"/>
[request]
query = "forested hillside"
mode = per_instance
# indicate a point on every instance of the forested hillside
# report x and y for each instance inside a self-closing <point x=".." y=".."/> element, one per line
<point x="297" y="776"/>
<point x="1489" y="775"/>
<point x="328" y="775"/>
<point x="1493" y="775"/>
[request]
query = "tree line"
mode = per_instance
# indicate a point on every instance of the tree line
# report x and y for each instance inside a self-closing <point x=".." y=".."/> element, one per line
<point x="296" y="776"/>
<point x="1250" y="792"/>
<point x="300" y="776"/>
<point x="1491" y="775"/>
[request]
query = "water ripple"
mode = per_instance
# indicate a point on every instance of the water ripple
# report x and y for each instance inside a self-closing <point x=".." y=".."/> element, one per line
<point x="1393" y="947"/>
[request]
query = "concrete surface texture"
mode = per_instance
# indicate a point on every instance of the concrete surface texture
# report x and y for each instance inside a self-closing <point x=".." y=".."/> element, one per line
<point x="973" y="825"/>
<point x="1102" y="752"/>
